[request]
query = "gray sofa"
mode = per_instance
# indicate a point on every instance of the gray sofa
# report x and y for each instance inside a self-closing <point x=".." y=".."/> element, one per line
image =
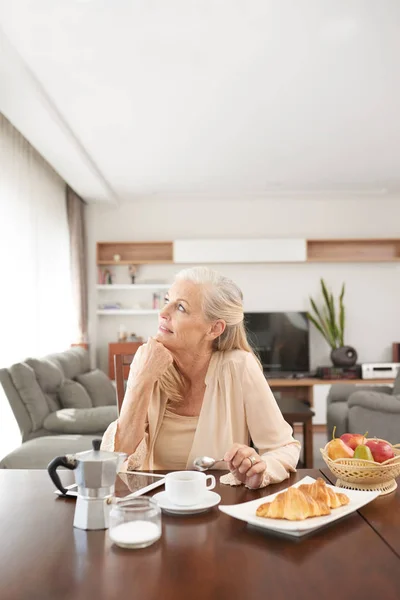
<point x="60" y="405"/>
<point x="357" y="409"/>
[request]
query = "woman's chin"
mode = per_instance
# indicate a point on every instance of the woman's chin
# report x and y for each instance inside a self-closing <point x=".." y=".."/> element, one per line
<point x="163" y="339"/>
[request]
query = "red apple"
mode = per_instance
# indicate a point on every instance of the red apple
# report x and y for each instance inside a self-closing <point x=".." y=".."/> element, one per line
<point x="354" y="439"/>
<point x="381" y="451"/>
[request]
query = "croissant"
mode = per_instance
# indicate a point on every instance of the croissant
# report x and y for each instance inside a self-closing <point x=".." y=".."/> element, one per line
<point x="321" y="492"/>
<point x="293" y="505"/>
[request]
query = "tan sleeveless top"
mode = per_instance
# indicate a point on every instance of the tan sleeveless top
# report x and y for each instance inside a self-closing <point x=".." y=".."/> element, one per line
<point x="174" y="441"/>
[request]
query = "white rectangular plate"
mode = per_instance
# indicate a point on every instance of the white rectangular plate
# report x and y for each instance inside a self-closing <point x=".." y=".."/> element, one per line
<point x="247" y="512"/>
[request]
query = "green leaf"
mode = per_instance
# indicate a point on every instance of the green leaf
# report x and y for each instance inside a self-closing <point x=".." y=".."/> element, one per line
<point x="342" y="316"/>
<point x="330" y="336"/>
<point x="322" y="322"/>
<point x="328" y="323"/>
<point x="331" y="316"/>
<point x="318" y="326"/>
<point x="335" y="329"/>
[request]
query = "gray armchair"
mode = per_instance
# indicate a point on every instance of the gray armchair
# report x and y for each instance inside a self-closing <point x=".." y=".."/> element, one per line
<point x="60" y="405"/>
<point x="357" y="409"/>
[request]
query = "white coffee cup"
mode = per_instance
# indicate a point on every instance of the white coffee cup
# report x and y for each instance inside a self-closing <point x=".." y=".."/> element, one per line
<point x="186" y="488"/>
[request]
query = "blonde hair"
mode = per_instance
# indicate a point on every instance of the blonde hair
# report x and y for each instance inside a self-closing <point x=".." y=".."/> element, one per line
<point x="222" y="299"/>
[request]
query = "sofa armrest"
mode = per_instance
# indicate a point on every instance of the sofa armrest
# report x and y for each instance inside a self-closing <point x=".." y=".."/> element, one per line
<point x="340" y="392"/>
<point x="17" y="406"/>
<point x="374" y="400"/>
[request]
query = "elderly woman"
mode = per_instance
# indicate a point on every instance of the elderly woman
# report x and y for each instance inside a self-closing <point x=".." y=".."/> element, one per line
<point x="197" y="389"/>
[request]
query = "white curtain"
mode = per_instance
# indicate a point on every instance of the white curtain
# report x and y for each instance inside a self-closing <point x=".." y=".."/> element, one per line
<point x="36" y="312"/>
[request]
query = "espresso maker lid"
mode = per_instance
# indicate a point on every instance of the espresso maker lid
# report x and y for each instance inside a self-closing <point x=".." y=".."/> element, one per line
<point x="96" y="455"/>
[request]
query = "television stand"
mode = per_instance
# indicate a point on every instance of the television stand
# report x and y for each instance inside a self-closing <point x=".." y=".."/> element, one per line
<point x="288" y="375"/>
<point x="303" y="389"/>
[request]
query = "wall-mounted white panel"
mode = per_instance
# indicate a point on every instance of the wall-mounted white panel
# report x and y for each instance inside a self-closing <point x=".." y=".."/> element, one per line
<point x="240" y="251"/>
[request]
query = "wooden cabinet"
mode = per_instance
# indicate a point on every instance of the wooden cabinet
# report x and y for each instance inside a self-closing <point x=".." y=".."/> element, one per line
<point x="239" y="251"/>
<point x="356" y="250"/>
<point x="120" y="348"/>
<point x="134" y="253"/>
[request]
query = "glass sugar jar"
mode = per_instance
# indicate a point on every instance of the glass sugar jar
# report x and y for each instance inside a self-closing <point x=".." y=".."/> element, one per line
<point x="135" y="523"/>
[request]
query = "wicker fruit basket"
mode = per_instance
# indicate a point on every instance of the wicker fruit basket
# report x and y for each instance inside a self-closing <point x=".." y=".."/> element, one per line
<point x="365" y="475"/>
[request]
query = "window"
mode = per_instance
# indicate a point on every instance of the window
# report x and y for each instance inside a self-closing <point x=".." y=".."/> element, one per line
<point x="36" y="312"/>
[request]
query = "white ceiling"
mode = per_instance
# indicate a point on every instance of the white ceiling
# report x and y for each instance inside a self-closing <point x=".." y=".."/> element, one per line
<point x="130" y="99"/>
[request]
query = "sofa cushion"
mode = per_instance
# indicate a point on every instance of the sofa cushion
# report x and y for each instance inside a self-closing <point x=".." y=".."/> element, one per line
<point x="378" y="424"/>
<point x="99" y="387"/>
<point x="81" y="420"/>
<point x="72" y="362"/>
<point x="383" y="403"/>
<point x="49" y="377"/>
<point x="24" y="379"/>
<point x="73" y="395"/>
<point x="37" y="453"/>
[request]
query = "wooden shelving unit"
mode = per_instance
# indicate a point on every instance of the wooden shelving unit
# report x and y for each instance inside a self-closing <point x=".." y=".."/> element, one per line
<point x="355" y="250"/>
<point x="109" y="287"/>
<point x="333" y="250"/>
<point x="134" y="253"/>
<point x="127" y="311"/>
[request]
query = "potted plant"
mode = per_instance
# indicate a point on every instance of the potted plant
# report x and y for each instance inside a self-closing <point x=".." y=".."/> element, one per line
<point x="331" y="323"/>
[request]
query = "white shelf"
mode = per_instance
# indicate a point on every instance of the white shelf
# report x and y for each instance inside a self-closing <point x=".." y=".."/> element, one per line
<point x="133" y="286"/>
<point x="128" y="311"/>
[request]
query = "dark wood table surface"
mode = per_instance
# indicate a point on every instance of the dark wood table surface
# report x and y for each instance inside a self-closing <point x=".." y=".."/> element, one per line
<point x="383" y="515"/>
<point x="210" y="556"/>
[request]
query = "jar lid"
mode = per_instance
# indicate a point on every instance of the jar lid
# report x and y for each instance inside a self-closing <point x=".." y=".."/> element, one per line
<point x="134" y="504"/>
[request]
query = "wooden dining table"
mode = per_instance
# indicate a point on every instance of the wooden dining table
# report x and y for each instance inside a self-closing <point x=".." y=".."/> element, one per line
<point x="205" y="556"/>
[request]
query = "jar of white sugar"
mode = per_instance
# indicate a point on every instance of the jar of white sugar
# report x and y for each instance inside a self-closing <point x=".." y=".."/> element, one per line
<point x="135" y="523"/>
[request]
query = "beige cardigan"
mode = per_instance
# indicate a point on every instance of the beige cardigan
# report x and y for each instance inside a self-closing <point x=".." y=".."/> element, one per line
<point x="238" y="405"/>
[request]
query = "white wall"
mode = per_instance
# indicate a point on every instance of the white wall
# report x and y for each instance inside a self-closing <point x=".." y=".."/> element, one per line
<point x="372" y="290"/>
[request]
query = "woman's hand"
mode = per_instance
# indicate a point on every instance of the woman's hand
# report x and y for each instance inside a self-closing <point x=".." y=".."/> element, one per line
<point x="153" y="362"/>
<point x="246" y="465"/>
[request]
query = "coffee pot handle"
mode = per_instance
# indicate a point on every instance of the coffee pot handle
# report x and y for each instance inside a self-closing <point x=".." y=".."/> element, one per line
<point x="69" y="462"/>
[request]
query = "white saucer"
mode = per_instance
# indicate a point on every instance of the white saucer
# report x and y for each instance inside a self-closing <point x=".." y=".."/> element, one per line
<point x="210" y="499"/>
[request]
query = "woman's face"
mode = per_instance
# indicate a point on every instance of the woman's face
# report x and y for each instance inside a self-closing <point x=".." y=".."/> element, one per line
<point x="182" y="325"/>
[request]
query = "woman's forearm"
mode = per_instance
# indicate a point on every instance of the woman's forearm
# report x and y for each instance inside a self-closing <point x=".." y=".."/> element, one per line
<point x="132" y="420"/>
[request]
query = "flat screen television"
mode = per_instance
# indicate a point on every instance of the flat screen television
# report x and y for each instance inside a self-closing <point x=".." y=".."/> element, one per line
<point x="280" y="339"/>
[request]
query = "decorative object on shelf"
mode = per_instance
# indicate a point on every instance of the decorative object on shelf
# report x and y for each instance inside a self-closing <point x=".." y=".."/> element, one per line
<point x="108" y="277"/>
<point x="105" y="277"/>
<point x="156" y="300"/>
<point x="345" y="356"/>
<point x="122" y="334"/>
<point x="132" y="272"/>
<point x="135" y="338"/>
<point x="117" y="258"/>
<point x="329" y="372"/>
<point x="110" y="306"/>
<point x="331" y="327"/>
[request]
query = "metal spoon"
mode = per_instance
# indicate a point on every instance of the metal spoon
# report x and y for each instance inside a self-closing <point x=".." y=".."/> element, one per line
<point x="202" y="463"/>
